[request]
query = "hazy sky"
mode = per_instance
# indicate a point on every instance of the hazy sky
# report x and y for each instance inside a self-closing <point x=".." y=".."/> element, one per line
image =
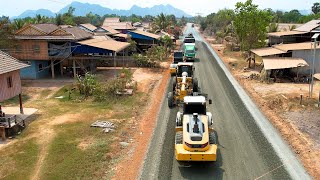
<point x="16" y="7"/>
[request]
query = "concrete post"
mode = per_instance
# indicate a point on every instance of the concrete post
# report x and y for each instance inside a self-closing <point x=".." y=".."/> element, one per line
<point x="74" y="68"/>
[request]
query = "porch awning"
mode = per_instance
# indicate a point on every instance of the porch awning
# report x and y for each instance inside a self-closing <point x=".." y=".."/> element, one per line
<point x="103" y="42"/>
<point x="283" y="63"/>
<point x="267" y="51"/>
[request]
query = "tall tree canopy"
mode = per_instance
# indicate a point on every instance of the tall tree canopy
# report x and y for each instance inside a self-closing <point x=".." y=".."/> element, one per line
<point x="250" y="25"/>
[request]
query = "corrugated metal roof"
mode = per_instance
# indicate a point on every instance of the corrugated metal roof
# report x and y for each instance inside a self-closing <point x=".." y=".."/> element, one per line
<point x="119" y="25"/>
<point x="114" y="19"/>
<point x="110" y="30"/>
<point x="121" y="35"/>
<point x="267" y="51"/>
<point x="317" y="76"/>
<point x="89" y="26"/>
<point x="9" y="63"/>
<point x="283" y="63"/>
<point x="295" y="46"/>
<point x="105" y="43"/>
<point x="286" y="33"/>
<point x="309" y="26"/>
<point x="144" y="33"/>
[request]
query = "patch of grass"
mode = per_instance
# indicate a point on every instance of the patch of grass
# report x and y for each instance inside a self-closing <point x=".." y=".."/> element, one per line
<point x="67" y="161"/>
<point x="15" y="100"/>
<point x="21" y="160"/>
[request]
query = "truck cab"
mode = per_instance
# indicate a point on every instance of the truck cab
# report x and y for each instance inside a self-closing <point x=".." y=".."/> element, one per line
<point x="189" y="52"/>
<point x="177" y="57"/>
<point x="195" y="138"/>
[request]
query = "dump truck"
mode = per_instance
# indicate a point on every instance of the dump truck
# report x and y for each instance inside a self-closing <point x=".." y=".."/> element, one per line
<point x="177" y="57"/>
<point x="183" y="84"/>
<point x="189" y="48"/>
<point x="195" y="138"/>
<point x="189" y="52"/>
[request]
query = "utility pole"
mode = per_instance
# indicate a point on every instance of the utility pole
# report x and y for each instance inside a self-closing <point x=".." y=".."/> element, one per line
<point x="314" y="38"/>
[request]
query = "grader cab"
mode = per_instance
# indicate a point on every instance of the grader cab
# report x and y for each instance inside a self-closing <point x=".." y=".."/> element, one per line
<point x="195" y="138"/>
<point x="184" y="84"/>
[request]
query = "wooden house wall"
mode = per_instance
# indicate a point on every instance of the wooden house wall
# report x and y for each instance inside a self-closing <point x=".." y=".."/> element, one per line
<point x="5" y="91"/>
<point x="25" y="50"/>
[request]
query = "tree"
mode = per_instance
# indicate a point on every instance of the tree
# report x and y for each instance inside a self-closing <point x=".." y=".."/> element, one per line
<point x="292" y="16"/>
<point x="183" y="21"/>
<point x="18" y="23"/>
<point x="161" y="22"/>
<point x="58" y="19"/>
<point x="167" y="44"/>
<point x="6" y="33"/>
<point x="316" y="8"/>
<point x="250" y="25"/>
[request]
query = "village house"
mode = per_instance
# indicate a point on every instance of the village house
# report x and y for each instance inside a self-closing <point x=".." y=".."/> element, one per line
<point x="65" y="50"/>
<point x="292" y="52"/>
<point x="114" y="23"/>
<point x="105" y="31"/>
<point x="10" y="86"/>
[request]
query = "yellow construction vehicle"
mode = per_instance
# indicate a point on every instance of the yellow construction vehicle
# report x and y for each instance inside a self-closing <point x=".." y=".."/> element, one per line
<point x="195" y="138"/>
<point x="183" y="84"/>
<point x="177" y="57"/>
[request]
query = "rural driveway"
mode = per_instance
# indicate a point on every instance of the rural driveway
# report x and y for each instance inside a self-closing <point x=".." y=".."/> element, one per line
<point x="249" y="147"/>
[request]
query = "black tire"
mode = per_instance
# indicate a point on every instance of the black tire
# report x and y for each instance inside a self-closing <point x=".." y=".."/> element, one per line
<point x="179" y="138"/>
<point x="170" y="99"/>
<point x="212" y="138"/>
<point x="195" y="86"/>
<point x="174" y="84"/>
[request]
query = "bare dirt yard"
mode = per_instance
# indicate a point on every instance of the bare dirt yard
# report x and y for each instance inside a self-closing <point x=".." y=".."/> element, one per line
<point x="59" y="143"/>
<point x="299" y="124"/>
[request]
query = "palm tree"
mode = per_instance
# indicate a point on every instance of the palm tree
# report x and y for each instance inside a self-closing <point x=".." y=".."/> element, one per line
<point x="59" y="19"/>
<point x="18" y="24"/>
<point x="161" y="22"/>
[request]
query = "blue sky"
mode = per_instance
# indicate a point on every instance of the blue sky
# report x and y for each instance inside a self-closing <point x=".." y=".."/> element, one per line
<point x="16" y="7"/>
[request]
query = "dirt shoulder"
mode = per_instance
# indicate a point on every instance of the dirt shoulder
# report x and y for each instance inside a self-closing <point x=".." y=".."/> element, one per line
<point x="298" y="123"/>
<point x="133" y="155"/>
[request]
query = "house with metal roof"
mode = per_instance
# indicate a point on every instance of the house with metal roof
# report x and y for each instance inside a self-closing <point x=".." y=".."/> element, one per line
<point x="116" y="24"/>
<point x="144" y="39"/>
<point x="10" y="82"/>
<point x="302" y="33"/>
<point x="54" y="50"/>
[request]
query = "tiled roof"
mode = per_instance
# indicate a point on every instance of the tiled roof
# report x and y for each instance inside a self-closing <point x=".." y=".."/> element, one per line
<point x="78" y="33"/>
<point x="9" y="63"/>
<point x="114" y="19"/>
<point x="295" y="46"/>
<point x="286" y="33"/>
<point x="110" y="30"/>
<point x="47" y="28"/>
<point x="267" y="51"/>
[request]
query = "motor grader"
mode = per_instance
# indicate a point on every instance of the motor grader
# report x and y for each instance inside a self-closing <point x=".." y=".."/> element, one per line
<point x="195" y="138"/>
<point x="183" y="84"/>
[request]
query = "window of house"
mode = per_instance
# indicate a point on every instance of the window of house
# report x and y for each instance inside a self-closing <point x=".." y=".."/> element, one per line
<point x="36" y="48"/>
<point x="9" y="82"/>
<point x="40" y="67"/>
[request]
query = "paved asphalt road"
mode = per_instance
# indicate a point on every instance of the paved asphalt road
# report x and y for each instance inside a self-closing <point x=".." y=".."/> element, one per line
<point x="244" y="151"/>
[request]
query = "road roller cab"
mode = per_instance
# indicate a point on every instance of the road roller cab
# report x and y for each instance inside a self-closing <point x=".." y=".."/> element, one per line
<point x="195" y="138"/>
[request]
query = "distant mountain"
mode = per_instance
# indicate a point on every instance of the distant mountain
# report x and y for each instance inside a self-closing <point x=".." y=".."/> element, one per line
<point x="81" y="9"/>
<point x="33" y="13"/>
